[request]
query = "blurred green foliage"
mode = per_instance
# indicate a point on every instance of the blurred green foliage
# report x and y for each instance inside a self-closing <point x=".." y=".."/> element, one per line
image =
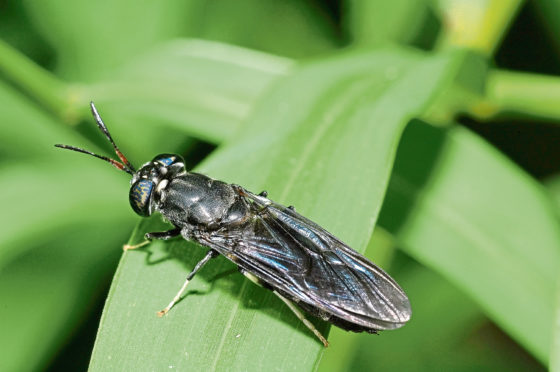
<point x="356" y="111"/>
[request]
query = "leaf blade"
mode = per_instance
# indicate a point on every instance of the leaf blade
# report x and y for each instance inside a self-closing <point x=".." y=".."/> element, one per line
<point x="236" y="325"/>
<point x="471" y="230"/>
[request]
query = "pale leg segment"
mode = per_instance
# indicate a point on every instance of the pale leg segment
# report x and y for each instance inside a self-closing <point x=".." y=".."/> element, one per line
<point x="211" y="254"/>
<point x="128" y="247"/>
<point x="301" y="317"/>
<point x="159" y="235"/>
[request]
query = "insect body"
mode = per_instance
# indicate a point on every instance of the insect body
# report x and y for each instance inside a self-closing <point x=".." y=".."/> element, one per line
<point x="272" y="245"/>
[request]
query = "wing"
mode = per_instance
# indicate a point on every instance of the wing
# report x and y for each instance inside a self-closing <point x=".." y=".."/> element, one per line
<point x="303" y="261"/>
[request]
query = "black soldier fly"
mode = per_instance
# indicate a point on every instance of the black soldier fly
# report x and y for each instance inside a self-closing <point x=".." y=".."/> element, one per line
<point x="272" y="245"/>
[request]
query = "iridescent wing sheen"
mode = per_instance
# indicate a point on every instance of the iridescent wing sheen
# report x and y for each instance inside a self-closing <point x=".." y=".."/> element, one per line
<point x="304" y="262"/>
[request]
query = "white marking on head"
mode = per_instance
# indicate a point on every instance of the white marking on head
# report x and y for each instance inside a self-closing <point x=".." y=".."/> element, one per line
<point x="161" y="186"/>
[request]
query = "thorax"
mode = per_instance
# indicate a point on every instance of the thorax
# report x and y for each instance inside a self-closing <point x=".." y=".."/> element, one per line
<point x="195" y="199"/>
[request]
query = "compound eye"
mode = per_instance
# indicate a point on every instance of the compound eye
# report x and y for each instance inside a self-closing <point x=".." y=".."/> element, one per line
<point x="139" y="196"/>
<point x="168" y="159"/>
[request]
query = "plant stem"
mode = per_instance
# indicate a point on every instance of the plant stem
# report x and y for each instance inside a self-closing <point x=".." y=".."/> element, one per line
<point x="518" y="93"/>
<point x="478" y="25"/>
<point x="35" y="81"/>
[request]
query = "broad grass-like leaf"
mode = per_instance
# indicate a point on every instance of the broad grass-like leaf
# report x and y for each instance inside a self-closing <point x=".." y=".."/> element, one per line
<point x="199" y="87"/>
<point x="49" y="288"/>
<point x="43" y="188"/>
<point x="27" y="131"/>
<point x="553" y="186"/>
<point x="373" y="22"/>
<point x="58" y="238"/>
<point x="56" y="204"/>
<point x="52" y="195"/>
<point x="440" y="311"/>
<point x="461" y="208"/>
<point x="448" y="332"/>
<point x="555" y="349"/>
<point x="549" y="12"/>
<point x="291" y="28"/>
<point x="323" y="140"/>
<point x="91" y="38"/>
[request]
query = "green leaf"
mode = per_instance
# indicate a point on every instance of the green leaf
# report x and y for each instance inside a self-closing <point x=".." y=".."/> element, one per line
<point x="555" y="349"/>
<point x="373" y="22"/>
<point x="93" y="37"/>
<point x="549" y="12"/>
<point x="48" y="290"/>
<point x="197" y="87"/>
<point x="57" y="242"/>
<point x="42" y="187"/>
<point x="461" y="208"/>
<point x="291" y="28"/>
<point x="447" y="321"/>
<point x="32" y="79"/>
<point x="58" y="200"/>
<point x="323" y="140"/>
<point x="552" y="184"/>
<point x="27" y="130"/>
<point x="447" y="332"/>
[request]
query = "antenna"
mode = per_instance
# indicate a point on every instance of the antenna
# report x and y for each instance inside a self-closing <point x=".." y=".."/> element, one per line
<point x="105" y="131"/>
<point x="124" y="166"/>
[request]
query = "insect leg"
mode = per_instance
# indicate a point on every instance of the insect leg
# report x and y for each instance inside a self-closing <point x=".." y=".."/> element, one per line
<point x="161" y="235"/>
<point x="211" y="254"/>
<point x="301" y="317"/>
<point x="290" y="304"/>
